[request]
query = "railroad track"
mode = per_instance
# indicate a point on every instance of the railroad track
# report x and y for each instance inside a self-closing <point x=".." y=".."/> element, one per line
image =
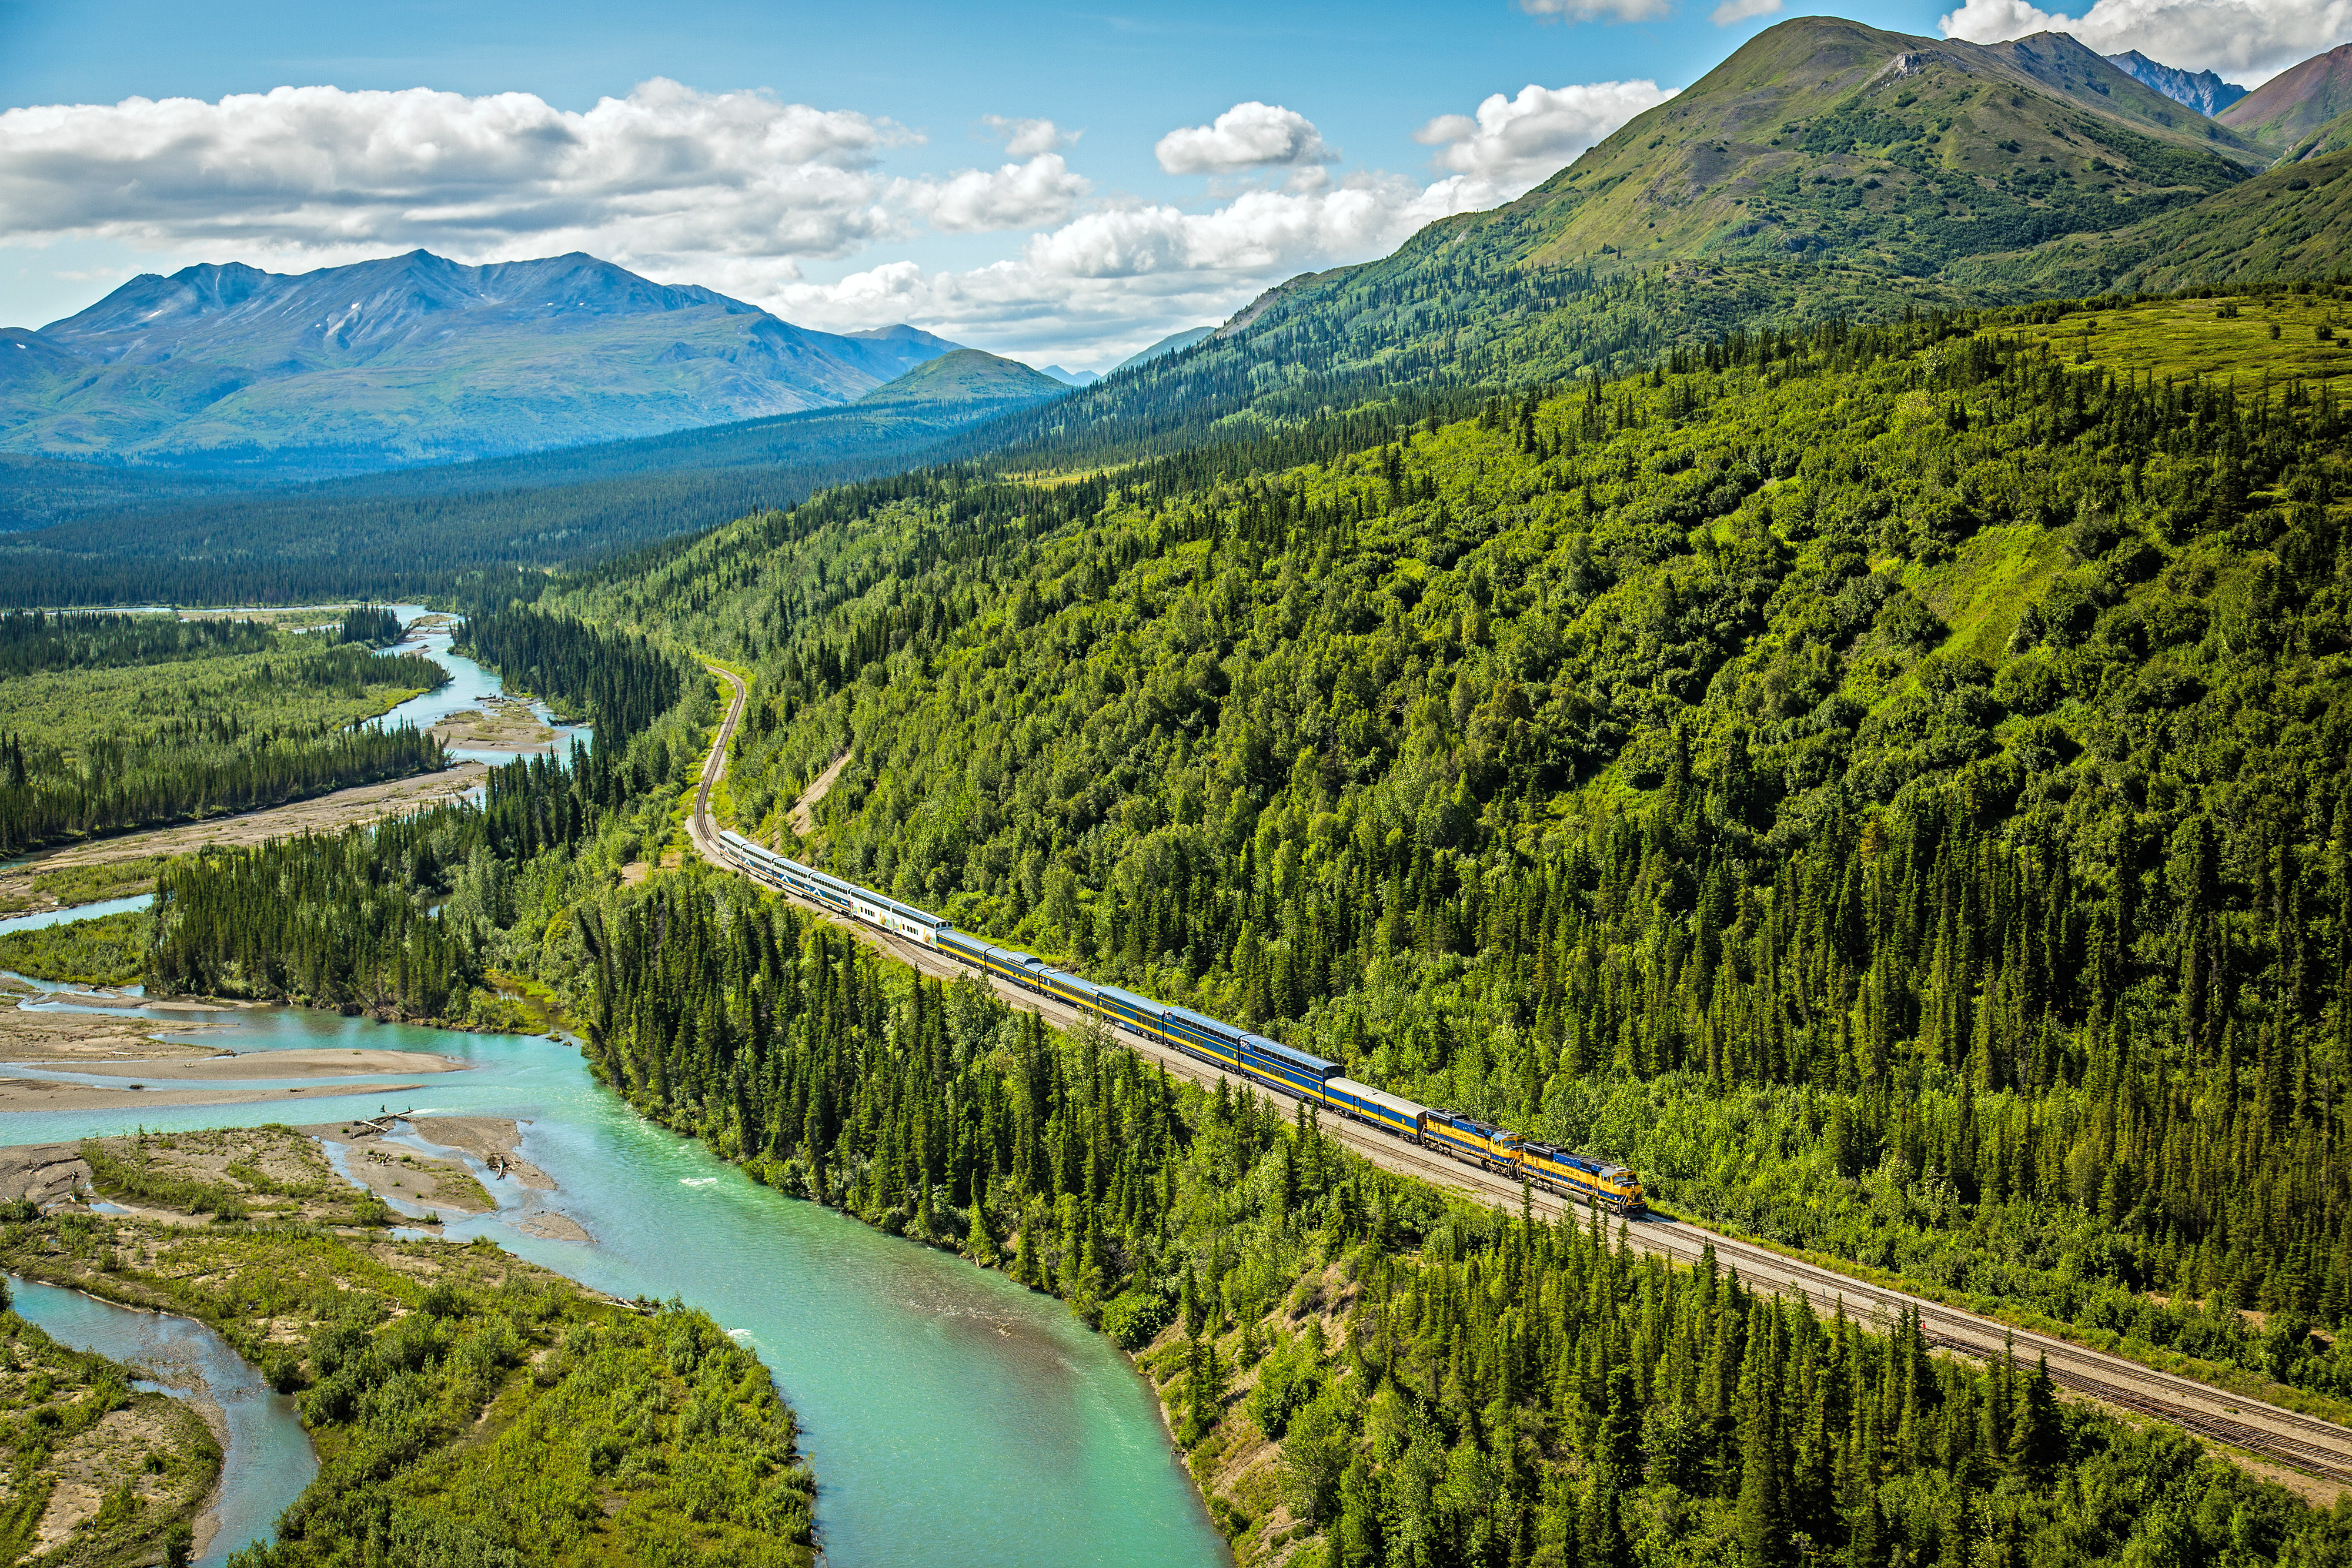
<point x="2302" y="1442"/>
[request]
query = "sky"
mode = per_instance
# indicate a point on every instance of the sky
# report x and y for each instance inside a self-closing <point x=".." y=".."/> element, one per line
<point x="1057" y="184"/>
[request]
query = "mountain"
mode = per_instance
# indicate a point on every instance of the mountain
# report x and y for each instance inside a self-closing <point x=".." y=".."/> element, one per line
<point x="2294" y="222"/>
<point x="2296" y="102"/>
<point x="414" y="359"/>
<point x="1175" y="342"/>
<point x="965" y="381"/>
<point x="1825" y="170"/>
<point x="2205" y="92"/>
<point x="86" y="535"/>
<point x="890" y="352"/>
<point x="1831" y="140"/>
<point x="1074" y="378"/>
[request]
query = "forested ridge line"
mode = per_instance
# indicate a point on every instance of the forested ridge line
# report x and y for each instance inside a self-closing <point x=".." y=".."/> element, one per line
<point x="1830" y="772"/>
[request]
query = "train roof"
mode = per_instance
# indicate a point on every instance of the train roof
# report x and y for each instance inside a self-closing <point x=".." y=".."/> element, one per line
<point x="1140" y="1004"/>
<point x="1587" y="1164"/>
<point x="1203" y="1020"/>
<point x="1295" y="1057"/>
<point x="1410" y="1110"/>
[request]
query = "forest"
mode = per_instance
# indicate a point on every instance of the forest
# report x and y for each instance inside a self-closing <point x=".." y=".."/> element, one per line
<point x="111" y="723"/>
<point x="1881" y="781"/>
<point x="1446" y="1385"/>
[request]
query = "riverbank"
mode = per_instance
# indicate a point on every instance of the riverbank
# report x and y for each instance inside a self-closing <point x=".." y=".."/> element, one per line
<point x="99" y="1047"/>
<point x="74" y="1040"/>
<point x="125" y="864"/>
<point x="515" y="1430"/>
<point x="100" y="1472"/>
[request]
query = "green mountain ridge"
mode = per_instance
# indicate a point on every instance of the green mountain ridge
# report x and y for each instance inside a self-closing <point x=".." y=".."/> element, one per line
<point x="2295" y="103"/>
<point x="965" y="380"/>
<point x="1833" y="140"/>
<point x="1826" y="170"/>
<point x="2294" y="221"/>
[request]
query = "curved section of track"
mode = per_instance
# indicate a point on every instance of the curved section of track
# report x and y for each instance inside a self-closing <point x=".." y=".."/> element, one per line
<point x="714" y="767"/>
<point x="2303" y="1442"/>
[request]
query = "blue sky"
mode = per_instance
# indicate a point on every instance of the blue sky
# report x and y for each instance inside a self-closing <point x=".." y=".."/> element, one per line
<point x="806" y="157"/>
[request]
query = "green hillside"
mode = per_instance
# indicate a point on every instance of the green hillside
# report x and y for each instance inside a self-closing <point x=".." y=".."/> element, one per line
<point x="966" y="381"/>
<point x="1825" y="171"/>
<point x="2294" y="104"/>
<point x="2294" y="222"/>
<point x="1838" y="762"/>
<point x="1830" y="139"/>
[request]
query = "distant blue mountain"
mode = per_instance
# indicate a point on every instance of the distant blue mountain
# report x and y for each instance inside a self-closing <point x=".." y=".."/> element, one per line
<point x="2205" y="92"/>
<point x="414" y="359"/>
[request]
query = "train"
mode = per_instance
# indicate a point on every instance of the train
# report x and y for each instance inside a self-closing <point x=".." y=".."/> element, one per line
<point x="1249" y="1056"/>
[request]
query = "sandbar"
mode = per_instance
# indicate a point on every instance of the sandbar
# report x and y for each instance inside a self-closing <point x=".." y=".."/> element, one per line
<point x="549" y="1226"/>
<point x="35" y="1094"/>
<point x="42" y="1172"/>
<point x="317" y="1061"/>
<point x="79" y="1041"/>
<point x="501" y="725"/>
<point x="492" y="1140"/>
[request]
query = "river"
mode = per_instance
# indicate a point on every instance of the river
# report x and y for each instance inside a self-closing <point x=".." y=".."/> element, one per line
<point x="952" y="1416"/>
<point x="267" y="1460"/>
<point x="469" y="685"/>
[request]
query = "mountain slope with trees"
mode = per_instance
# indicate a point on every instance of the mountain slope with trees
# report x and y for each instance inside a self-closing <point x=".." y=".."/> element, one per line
<point x="1829" y="773"/>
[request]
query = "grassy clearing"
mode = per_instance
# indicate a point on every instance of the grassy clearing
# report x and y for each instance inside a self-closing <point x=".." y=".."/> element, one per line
<point x="2226" y="339"/>
<point x="70" y="885"/>
<point x="282" y="689"/>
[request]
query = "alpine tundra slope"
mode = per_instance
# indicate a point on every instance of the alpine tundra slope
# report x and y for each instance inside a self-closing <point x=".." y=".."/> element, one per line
<point x="1479" y="1162"/>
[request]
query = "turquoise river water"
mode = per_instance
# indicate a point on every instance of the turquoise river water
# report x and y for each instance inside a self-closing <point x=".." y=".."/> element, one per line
<point x="953" y="1418"/>
<point x="267" y="1460"/>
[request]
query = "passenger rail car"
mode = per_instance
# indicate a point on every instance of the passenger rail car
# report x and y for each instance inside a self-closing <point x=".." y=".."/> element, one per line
<point x="1285" y="1069"/>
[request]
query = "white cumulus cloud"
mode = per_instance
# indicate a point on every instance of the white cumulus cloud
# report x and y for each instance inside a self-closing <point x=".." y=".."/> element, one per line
<point x="2247" y="41"/>
<point x="1017" y="195"/>
<point x="1107" y="282"/>
<point x="1732" y="11"/>
<point x="667" y="170"/>
<point x="1514" y="143"/>
<point x="1250" y="135"/>
<point x="1599" y="10"/>
<point x="1027" y="137"/>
